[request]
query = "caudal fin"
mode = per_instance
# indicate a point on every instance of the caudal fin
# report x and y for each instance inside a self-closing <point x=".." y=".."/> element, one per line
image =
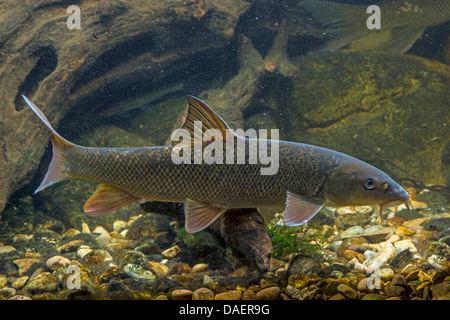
<point x="343" y="22"/>
<point x="56" y="171"/>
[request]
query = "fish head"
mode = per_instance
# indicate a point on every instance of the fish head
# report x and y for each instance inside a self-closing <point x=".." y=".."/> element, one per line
<point x="357" y="183"/>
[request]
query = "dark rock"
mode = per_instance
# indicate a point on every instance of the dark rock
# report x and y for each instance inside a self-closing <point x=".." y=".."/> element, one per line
<point x="233" y="282"/>
<point x="405" y="214"/>
<point x="398" y="280"/>
<point x="303" y="264"/>
<point x="326" y="272"/>
<point x="347" y="291"/>
<point x="118" y="290"/>
<point x="148" y="225"/>
<point x="402" y="259"/>
<point x="441" y="291"/>
<point x="436" y="224"/>
<point x="395" y="291"/>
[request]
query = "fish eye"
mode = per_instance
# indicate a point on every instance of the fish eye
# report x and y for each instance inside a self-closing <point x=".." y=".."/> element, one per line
<point x="369" y="184"/>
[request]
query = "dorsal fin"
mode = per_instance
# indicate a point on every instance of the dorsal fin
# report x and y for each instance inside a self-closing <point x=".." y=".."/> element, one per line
<point x="198" y="111"/>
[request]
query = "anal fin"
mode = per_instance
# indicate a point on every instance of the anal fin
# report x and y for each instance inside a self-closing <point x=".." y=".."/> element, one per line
<point x="300" y="209"/>
<point x="199" y="214"/>
<point x="107" y="199"/>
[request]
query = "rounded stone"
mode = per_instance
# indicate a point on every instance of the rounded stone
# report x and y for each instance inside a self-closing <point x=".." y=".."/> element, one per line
<point x="182" y="294"/>
<point x="272" y="293"/>
<point x="43" y="282"/>
<point x="57" y="262"/>
<point x="398" y="280"/>
<point x="347" y="291"/>
<point x="3" y="281"/>
<point x="303" y="264"/>
<point x="229" y="295"/>
<point x="249" y="295"/>
<point x="203" y="294"/>
<point x="199" y="267"/>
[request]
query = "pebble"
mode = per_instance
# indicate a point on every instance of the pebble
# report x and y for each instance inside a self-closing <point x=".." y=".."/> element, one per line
<point x="249" y="295"/>
<point x="139" y="272"/>
<point x="199" y="267"/>
<point x="25" y="264"/>
<point x="272" y="293"/>
<point x="159" y="269"/>
<point x="71" y="232"/>
<point x="83" y="251"/>
<point x="85" y="228"/>
<point x="404" y="245"/>
<point x="20" y="282"/>
<point x="103" y="239"/>
<point x="120" y="225"/>
<point x="347" y="291"/>
<point x="20" y="297"/>
<point x="3" y="281"/>
<point x="171" y="252"/>
<point x="385" y="273"/>
<point x="352" y="231"/>
<point x="229" y="295"/>
<point x="441" y="291"/>
<point x="381" y="257"/>
<point x="182" y="294"/>
<point x="203" y="294"/>
<point x="367" y="285"/>
<point x="398" y="280"/>
<point x="43" y="282"/>
<point x="404" y="231"/>
<point x="70" y="246"/>
<point x="6" y="249"/>
<point x="99" y="230"/>
<point x="57" y="262"/>
<point x="298" y="281"/>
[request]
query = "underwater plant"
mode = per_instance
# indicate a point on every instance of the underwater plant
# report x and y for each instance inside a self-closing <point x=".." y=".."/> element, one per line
<point x="299" y="240"/>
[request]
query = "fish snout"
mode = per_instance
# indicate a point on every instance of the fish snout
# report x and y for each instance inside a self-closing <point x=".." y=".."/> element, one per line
<point x="396" y="195"/>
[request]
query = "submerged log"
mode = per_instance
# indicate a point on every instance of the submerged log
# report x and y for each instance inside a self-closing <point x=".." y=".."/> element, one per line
<point x="243" y="230"/>
<point x="122" y="50"/>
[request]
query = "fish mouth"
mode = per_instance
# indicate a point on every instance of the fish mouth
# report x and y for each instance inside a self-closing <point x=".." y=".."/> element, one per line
<point x="406" y="202"/>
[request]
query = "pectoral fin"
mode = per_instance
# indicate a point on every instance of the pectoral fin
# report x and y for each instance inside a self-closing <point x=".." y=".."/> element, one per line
<point x="300" y="209"/>
<point x="107" y="199"/>
<point x="199" y="214"/>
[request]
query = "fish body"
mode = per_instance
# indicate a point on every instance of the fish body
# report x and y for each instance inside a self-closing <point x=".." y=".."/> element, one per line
<point x="307" y="177"/>
<point x="402" y="22"/>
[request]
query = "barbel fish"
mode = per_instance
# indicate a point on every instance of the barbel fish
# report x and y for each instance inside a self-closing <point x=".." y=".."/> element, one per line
<point x="307" y="178"/>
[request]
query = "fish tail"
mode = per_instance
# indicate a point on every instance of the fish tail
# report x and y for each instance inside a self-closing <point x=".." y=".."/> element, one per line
<point x="339" y="20"/>
<point x="56" y="171"/>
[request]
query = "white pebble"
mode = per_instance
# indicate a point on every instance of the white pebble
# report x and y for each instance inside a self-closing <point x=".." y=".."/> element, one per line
<point x="81" y="252"/>
<point x="405" y="244"/>
<point x="171" y="252"/>
<point x="85" y="228"/>
<point x="56" y="262"/>
<point x="120" y="225"/>
<point x="100" y="230"/>
<point x="103" y="239"/>
<point x="369" y="254"/>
